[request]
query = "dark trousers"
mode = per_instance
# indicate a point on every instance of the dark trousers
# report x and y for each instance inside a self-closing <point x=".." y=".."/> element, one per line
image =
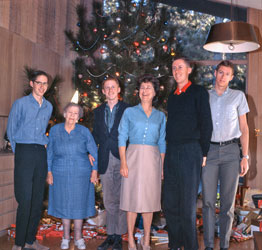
<point x="29" y="179"/>
<point x="182" y="172"/>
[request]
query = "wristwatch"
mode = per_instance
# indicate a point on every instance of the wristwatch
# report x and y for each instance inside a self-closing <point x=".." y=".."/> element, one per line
<point x="245" y="156"/>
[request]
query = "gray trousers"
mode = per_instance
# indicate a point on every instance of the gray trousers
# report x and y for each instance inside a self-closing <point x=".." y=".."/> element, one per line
<point x="223" y="166"/>
<point x="111" y="183"/>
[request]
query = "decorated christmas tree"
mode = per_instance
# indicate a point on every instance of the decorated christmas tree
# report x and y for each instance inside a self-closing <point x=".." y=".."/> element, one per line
<point x="126" y="43"/>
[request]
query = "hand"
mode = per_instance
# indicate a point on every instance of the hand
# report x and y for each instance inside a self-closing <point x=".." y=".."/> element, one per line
<point x="49" y="178"/>
<point x="244" y="166"/>
<point x="162" y="174"/>
<point x="204" y="161"/>
<point x="91" y="159"/>
<point x="124" y="170"/>
<point x="93" y="177"/>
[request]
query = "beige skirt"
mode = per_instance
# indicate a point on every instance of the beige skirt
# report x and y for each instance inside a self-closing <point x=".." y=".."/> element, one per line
<point x="141" y="191"/>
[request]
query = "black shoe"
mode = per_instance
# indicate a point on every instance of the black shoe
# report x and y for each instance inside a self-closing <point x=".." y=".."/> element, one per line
<point x="209" y="248"/>
<point x="106" y="244"/>
<point x="221" y="248"/>
<point x="117" y="244"/>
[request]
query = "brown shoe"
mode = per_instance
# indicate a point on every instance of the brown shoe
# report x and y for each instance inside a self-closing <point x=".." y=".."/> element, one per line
<point x="36" y="246"/>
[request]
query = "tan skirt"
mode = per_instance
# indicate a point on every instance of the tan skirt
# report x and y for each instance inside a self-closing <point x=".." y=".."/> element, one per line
<point x="141" y="191"/>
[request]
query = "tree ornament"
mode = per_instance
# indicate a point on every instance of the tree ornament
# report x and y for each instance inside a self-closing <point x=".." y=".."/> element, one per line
<point x="144" y="42"/>
<point x="165" y="47"/>
<point x="136" y="44"/>
<point x="117" y="74"/>
<point x="78" y="24"/>
<point x="172" y="53"/>
<point x="163" y="40"/>
<point x="161" y="88"/>
<point x="118" y="19"/>
<point x="89" y="81"/>
<point x="95" y="30"/>
<point x="138" y="51"/>
<point x="85" y="94"/>
<point x="80" y="76"/>
<point x="102" y="51"/>
<point x="148" y="39"/>
<point x="118" y="31"/>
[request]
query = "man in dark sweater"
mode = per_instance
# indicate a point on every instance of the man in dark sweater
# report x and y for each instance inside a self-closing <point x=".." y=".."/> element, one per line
<point x="105" y="132"/>
<point x="188" y="133"/>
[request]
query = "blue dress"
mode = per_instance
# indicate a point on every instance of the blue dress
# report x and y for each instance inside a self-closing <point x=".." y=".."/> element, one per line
<point x="72" y="195"/>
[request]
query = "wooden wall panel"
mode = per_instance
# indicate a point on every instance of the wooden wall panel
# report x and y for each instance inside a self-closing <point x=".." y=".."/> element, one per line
<point x="254" y="90"/>
<point x="5" y="71"/>
<point x="4" y="13"/>
<point x="23" y="18"/>
<point x="21" y="55"/>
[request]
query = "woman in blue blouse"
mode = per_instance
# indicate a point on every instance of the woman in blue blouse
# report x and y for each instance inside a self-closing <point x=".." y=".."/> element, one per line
<point x="142" y="163"/>
<point x="70" y="174"/>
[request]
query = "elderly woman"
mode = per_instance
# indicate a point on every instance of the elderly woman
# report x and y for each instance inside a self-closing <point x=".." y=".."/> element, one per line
<point x="70" y="174"/>
<point x="142" y="163"/>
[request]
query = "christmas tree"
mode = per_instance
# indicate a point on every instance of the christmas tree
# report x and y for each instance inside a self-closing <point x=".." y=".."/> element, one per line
<point x="126" y="43"/>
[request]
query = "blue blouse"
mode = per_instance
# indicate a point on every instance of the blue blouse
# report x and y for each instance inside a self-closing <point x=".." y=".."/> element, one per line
<point x="136" y="127"/>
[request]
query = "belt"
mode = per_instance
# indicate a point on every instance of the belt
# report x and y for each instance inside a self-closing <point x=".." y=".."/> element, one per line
<point x="224" y="143"/>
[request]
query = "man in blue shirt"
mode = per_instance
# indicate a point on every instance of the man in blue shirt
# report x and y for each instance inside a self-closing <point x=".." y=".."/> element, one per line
<point x="229" y="108"/>
<point x="27" y="123"/>
<point x="105" y="132"/>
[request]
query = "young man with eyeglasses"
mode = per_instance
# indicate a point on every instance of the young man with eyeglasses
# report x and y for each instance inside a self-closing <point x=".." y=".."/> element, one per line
<point x="27" y="123"/>
<point x="229" y="108"/>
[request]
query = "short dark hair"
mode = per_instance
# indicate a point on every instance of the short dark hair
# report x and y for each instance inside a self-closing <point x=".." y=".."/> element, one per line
<point x="110" y="78"/>
<point x="150" y="78"/>
<point x="37" y="73"/>
<point x="72" y="104"/>
<point x="185" y="59"/>
<point x="226" y="63"/>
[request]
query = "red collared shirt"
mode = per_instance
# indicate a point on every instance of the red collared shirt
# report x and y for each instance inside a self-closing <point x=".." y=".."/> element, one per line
<point x="179" y="91"/>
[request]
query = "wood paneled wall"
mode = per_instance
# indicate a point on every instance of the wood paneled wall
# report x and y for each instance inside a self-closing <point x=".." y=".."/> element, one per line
<point x="31" y="33"/>
<point x="254" y="91"/>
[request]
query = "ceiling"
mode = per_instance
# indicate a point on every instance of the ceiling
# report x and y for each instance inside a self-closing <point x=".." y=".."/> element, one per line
<point x="256" y="4"/>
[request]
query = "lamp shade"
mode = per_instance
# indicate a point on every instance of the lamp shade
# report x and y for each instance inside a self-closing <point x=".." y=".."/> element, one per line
<point x="231" y="37"/>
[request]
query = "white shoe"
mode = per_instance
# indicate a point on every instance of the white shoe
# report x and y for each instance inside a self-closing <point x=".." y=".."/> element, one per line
<point x="65" y="244"/>
<point x="80" y="243"/>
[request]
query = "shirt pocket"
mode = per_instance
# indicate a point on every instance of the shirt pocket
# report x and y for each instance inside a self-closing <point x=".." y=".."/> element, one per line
<point x="231" y="112"/>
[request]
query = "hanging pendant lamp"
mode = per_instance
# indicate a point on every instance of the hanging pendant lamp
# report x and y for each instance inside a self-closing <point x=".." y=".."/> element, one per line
<point x="231" y="37"/>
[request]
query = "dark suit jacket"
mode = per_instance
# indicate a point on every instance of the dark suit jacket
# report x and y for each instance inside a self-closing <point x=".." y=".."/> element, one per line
<point x="106" y="141"/>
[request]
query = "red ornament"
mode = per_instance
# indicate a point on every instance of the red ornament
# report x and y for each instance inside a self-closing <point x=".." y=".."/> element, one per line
<point x="148" y="39"/>
<point x="136" y="44"/>
<point x="89" y="81"/>
<point x="138" y="51"/>
<point x="105" y="36"/>
<point x="144" y="42"/>
<point x="165" y="47"/>
<point x="95" y="30"/>
<point x="85" y="94"/>
<point x="102" y="51"/>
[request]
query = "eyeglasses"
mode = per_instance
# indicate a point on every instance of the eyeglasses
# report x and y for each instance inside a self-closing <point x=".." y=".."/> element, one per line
<point x="41" y="83"/>
<point x="146" y="88"/>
